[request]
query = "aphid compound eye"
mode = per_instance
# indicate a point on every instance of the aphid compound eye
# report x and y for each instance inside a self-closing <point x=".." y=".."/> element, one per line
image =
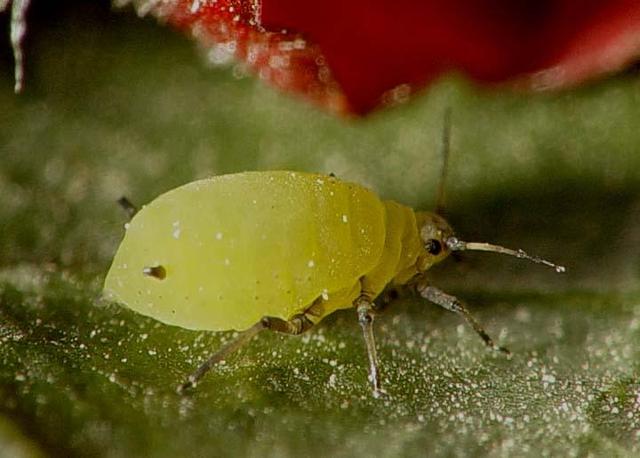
<point x="158" y="272"/>
<point x="433" y="247"/>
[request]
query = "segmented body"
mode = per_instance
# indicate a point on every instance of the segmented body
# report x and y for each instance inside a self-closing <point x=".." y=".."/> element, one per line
<point x="239" y="247"/>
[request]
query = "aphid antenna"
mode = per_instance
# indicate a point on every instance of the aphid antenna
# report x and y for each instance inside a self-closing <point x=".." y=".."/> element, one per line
<point x="446" y="147"/>
<point x="455" y="244"/>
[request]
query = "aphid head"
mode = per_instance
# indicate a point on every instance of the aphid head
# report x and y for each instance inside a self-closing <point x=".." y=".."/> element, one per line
<point x="439" y="241"/>
<point x="434" y="232"/>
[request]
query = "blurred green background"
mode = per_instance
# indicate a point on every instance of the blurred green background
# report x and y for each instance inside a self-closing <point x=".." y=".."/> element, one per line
<point x="115" y="105"/>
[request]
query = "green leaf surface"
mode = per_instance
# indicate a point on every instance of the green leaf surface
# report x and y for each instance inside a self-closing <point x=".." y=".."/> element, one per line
<point x="115" y="105"/>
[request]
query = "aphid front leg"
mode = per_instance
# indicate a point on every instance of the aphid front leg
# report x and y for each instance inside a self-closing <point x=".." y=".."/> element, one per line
<point x="364" y="307"/>
<point x="453" y="304"/>
<point x="296" y="325"/>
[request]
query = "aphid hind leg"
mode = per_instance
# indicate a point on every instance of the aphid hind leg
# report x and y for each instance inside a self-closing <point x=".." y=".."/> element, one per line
<point x="296" y="325"/>
<point x="453" y="304"/>
<point x="242" y="339"/>
<point x="364" y="307"/>
<point x="128" y="207"/>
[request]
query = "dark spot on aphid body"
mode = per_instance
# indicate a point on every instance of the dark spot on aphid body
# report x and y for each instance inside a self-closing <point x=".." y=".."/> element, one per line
<point x="158" y="272"/>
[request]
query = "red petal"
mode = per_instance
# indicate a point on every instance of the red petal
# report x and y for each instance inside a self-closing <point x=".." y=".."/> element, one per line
<point x="355" y="54"/>
<point x="230" y="29"/>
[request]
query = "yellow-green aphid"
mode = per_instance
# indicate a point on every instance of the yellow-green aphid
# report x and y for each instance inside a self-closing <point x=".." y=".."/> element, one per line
<point x="277" y="250"/>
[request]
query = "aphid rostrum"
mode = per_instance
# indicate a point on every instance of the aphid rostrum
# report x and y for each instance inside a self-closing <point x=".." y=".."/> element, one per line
<point x="280" y="250"/>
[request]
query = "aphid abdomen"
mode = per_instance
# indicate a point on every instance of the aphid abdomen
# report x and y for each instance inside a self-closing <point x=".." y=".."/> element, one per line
<point x="334" y="300"/>
<point x="397" y="261"/>
<point x="412" y="248"/>
<point x="239" y="247"/>
<point x="400" y="248"/>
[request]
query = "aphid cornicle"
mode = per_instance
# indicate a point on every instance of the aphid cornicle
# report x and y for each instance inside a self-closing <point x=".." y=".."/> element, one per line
<point x="278" y="250"/>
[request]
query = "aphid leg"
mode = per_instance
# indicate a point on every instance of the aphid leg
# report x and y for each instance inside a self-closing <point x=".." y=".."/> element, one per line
<point x="128" y="207"/>
<point x="388" y="296"/>
<point x="297" y="325"/>
<point x="364" y="307"/>
<point x="222" y="354"/>
<point x="453" y="304"/>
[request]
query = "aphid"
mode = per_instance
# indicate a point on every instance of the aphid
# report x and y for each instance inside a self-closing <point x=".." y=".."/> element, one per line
<point x="279" y="250"/>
